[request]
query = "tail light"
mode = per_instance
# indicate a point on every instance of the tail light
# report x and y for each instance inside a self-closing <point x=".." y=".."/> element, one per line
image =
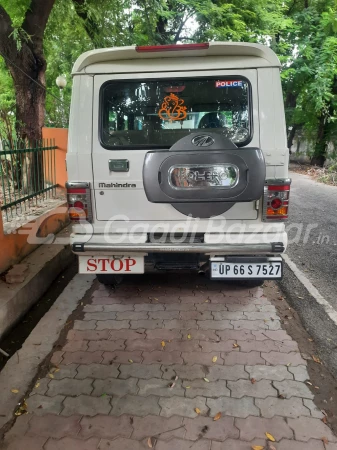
<point x="276" y="200"/>
<point x="79" y="201"/>
<point x="171" y="47"/>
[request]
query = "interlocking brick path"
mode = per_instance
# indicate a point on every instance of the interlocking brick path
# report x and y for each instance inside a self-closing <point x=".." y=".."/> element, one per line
<point x="223" y="347"/>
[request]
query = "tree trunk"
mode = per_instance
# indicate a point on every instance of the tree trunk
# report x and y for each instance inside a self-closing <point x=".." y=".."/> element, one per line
<point x="30" y="102"/>
<point x="291" y="136"/>
<point x="27" y="65"/>
<point x="319" y="155"/>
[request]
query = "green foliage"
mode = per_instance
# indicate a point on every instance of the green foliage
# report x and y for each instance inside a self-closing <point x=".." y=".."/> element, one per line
<point x="302" y="32"/>
<point x="310" y="72"/>
<point x="7" y="104"/>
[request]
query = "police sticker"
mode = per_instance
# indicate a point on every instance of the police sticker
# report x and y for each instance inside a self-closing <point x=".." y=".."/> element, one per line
<point x="228" y="83"/>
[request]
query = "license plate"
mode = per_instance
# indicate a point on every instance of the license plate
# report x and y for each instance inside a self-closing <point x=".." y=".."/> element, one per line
<point x="110" y="264"/>
<point x="268" y="270"/>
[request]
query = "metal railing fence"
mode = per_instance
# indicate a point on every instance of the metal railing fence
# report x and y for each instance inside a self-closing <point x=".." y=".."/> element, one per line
<point x="27" y="175"/>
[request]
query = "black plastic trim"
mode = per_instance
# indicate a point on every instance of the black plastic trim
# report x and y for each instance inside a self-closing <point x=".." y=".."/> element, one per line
<point x="277" y="247"/>
<point x="78" y="247"/>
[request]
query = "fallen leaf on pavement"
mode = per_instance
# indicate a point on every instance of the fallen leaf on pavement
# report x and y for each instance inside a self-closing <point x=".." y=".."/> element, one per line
<point x="325" y="440"/>
<point x="270" y="437"/>
<point x="197" y="410"/>
<point x="37" y="385"/>
<point x="281" y="396"/>
<point x="271" y="447"/>
<point x="257" y="447"/>
<point x="324" y="420"/>
<point x="130" y="361"/>
<point x="214" y="359"/>
<point x="316" y="359"/>
<point x="150" y="442"/>
<point x="310" y="340"/>
<point x="15" y="391"/>
<point x="51" y="375"/>
<point x="22" y="409"/>
<point x="189" y="336"/>
<point x="253" y="381"/>
<point x="163" y="344"/>
<point x="236" y="345"/>
<point x="187" y="387"/>
<point x="206" y="379"/>
<point x="309" y="383"/>
<point x="217" y="416"/>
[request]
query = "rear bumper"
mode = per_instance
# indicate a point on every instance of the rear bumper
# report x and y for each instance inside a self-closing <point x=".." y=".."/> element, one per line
<point x="207" y="249"/>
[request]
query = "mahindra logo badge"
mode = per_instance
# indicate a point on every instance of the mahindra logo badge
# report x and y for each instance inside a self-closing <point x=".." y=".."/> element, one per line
<point x="202" y="140"/>
<point x="192" y="176"/>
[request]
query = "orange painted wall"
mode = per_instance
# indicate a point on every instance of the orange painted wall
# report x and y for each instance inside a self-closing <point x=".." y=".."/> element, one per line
<point x="60" y="135"/>
<point x="14" y="247"/>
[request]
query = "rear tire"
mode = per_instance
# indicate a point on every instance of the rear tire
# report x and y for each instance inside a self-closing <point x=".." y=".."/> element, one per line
<point x="110" y="280"/>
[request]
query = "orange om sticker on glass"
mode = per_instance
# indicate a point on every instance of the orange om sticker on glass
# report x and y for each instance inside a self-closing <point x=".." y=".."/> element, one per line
<point x="172" y="108"/>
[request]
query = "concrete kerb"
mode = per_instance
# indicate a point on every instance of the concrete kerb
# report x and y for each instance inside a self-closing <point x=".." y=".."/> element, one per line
<point x="21" y="369"/>
<point x="318" y="316"/>
<point x="44" y="265"/>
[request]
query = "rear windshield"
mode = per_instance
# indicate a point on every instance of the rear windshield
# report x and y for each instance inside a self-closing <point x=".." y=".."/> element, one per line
<point x="138" y="114"/>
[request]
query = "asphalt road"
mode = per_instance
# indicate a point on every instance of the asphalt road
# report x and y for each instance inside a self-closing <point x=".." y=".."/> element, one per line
<point x="312" y="233"/>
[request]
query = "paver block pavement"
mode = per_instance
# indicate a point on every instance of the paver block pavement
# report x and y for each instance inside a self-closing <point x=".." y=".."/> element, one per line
<point x="184" y="407"/>
<point x="69" y="371"/>
<point x="219" y="430"/>
<point x="113" y="389"/>
<point x="230" y="373"/>
<point x="82" y="357"/>
<point x="106" y="345"/>
<point x="256" y="427"/>
<point x="306" y="428"/>
<point x="54" y="426"/>
<point x="300" y="373"/>
<point x="290" y="388"/>
<point x="259" y="389"/>
<point x="86" y="405"/>
<point x="69" y="443"/>
<point x="179" y="444"/>
<point x="121" y="444"/>
<point x="241" y="358"/>
<point x="156" y="386"/>
<point x="165" y="428"/>
<point x="292" y="407"/>
<point x="69" y="386"/>
<point x="274" y="373"/>
<point x="103" y="426"/>
<point x="135" y="405"/>
<point x="231" y="444"/>
<point x="162" y="357"/>
<point x="235" y="407"/>
<point x="311" y="445"/>
<point x="28" y="443"/>
<point x="141" y="371"/>
<point x="112" y="386"/>
<point x="121" y="356"/>
<point x="203" y="388"/>
<point x="100" y="371"/>
<point x="41" y="404"/>
<point x="41" y="387"/>
<point x="184" y="372"/>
